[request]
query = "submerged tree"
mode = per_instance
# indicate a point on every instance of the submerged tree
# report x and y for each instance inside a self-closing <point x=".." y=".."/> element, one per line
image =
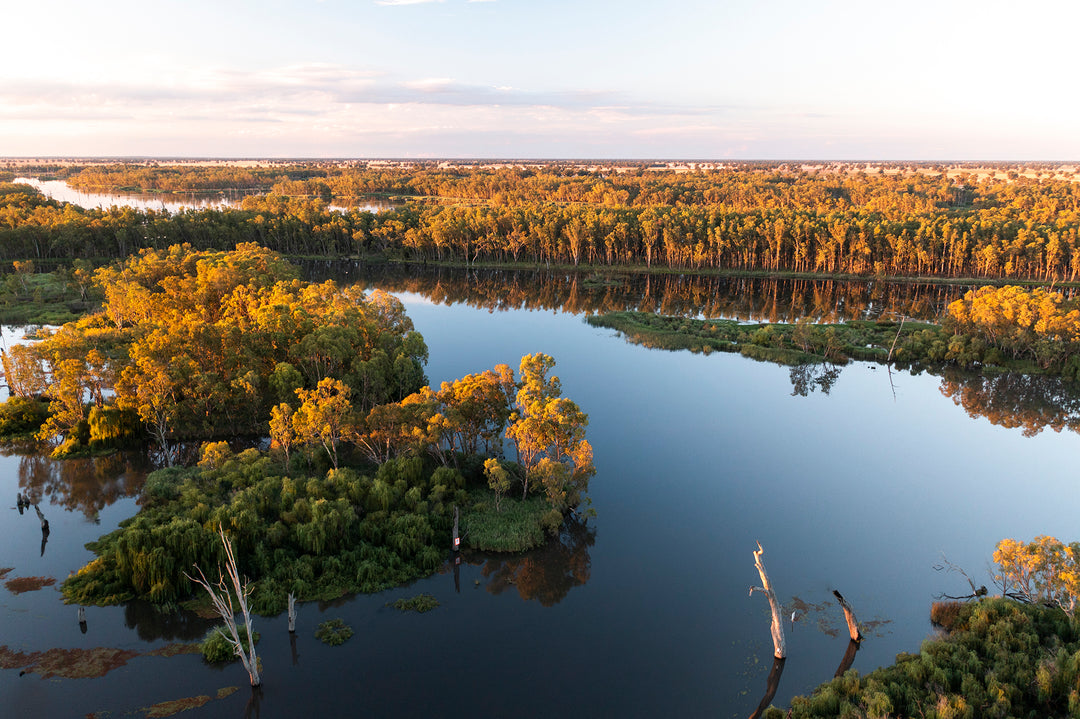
<point x="221" y="595"/>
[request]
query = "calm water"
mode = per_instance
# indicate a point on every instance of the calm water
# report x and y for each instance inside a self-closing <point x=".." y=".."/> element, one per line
<point x="172" y="201"/>
<point x="644" y="613"/>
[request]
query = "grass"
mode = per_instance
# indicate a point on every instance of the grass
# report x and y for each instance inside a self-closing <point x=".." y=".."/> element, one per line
<point x="43" y="298"/>
<point x="518" y="527"/>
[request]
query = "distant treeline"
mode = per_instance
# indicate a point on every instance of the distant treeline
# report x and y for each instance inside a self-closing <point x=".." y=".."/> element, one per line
<point x="758" y="218"/>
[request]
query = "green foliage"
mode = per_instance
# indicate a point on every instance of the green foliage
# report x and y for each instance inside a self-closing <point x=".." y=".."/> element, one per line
<point x="520" y="525"/>
<point x="204" y="344"/>
<point x="22" y="417"/>
<point x="1002" y="658"/>
<point x="217" y="645"/>
<point x="420" y="603"/>
<point x="333" y="632"/>
<point x="317" y="537"/>
<point x="112" y="428"/>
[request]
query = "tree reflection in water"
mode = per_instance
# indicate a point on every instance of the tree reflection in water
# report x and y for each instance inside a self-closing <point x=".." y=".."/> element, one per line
<point x="152" y="622"/>
<point x="807" y="378"/>
<point x="546" y="574"/>
<point x="750" y="299"/>
<point x="1030" y="402"/>
<point x="85" y="484"/>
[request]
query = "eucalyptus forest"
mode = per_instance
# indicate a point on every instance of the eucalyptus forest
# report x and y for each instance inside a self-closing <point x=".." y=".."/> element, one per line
<point x="289" y="418"/>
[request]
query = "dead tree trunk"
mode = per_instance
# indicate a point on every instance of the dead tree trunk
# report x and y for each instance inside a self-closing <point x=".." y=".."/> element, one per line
<point x="292" y="613"/>
<point x="779" y="645"/>
<point x="457" y="537"/>
<point x="221" y="595"/>
<point x="849" y="617"/>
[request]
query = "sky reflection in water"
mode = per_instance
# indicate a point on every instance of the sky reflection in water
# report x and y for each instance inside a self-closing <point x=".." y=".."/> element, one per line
<point x="860" y="489"/>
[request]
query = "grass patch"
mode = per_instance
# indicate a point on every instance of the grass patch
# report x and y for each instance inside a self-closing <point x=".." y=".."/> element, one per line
<point x="420" y="603"/>
<point x="333" y="632"/>
<point x="518" y="527"/>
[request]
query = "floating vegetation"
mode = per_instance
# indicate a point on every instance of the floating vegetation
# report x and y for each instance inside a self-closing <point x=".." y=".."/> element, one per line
<point x="227" y="691"/>
<point x="18" y="585"/>
<point x="175" y="649"/>
<point x="333" y="632"/>
<point x="67" y="663"/>
<point x="420" y="603"/>
<point x="169" y="708"/>
<point x="828" y="618"/>
<point x="4" y="571"/>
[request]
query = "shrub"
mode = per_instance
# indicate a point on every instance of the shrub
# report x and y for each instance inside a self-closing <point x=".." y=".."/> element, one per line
<point x="420" y="603"/>
<point x="333" y="632"/>
<point x="217" y="646"/>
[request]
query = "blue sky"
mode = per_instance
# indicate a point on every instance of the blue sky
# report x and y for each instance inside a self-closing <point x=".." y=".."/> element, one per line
<point x="518" y="78"/>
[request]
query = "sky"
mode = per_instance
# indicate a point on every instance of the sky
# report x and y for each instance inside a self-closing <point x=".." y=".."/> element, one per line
<point x="636" y="79"/>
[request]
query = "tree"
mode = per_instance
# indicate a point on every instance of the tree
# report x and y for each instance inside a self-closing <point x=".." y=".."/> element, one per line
<point x="549" y="433"/>
<point x="498" y="479"/>
<point x="1043" y="571"/>
<point x="324" y="416"/>
<point x="282" y="430"/>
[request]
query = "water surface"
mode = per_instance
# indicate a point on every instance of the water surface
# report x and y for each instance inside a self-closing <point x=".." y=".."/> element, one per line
<point x="643" y="612"/>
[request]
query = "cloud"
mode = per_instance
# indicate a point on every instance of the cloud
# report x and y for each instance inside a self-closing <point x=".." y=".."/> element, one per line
<point x="405" y="2"/>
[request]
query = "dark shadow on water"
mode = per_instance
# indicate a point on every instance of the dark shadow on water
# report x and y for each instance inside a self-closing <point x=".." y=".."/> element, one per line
<point x="171" y="624"/>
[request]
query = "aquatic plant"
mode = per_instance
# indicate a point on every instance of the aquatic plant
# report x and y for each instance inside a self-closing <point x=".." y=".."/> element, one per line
<point x="333" y="632"/>
<point x="420" y="603"/>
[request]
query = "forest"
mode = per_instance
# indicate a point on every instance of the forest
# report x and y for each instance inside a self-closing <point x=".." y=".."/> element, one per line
<point x="760" y="218"/>
<point x="365" y="461"/>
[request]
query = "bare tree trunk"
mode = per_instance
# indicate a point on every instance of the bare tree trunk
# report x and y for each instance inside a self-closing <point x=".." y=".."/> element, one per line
<point x="457" y="537"/>
<point x="849" y="617"/>
<point x="779" y="644"/>
<point x="292" y="613"/>
<point x="221" y="595"/>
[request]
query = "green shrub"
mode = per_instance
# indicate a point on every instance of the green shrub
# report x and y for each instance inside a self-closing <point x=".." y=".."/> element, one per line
<point x="333" y="632"/>
<point x="217" y="645"/>
<point x="22" y="417"/>
<point x="420" y="603"/>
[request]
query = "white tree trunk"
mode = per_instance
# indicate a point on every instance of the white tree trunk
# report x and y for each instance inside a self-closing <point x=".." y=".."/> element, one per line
<point x="221" y="596"/>
<point x="779" y="644"/>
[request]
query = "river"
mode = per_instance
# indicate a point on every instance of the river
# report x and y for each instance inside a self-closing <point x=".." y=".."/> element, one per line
<point x="172" y="201"/>
<point x="862" y="481"/>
